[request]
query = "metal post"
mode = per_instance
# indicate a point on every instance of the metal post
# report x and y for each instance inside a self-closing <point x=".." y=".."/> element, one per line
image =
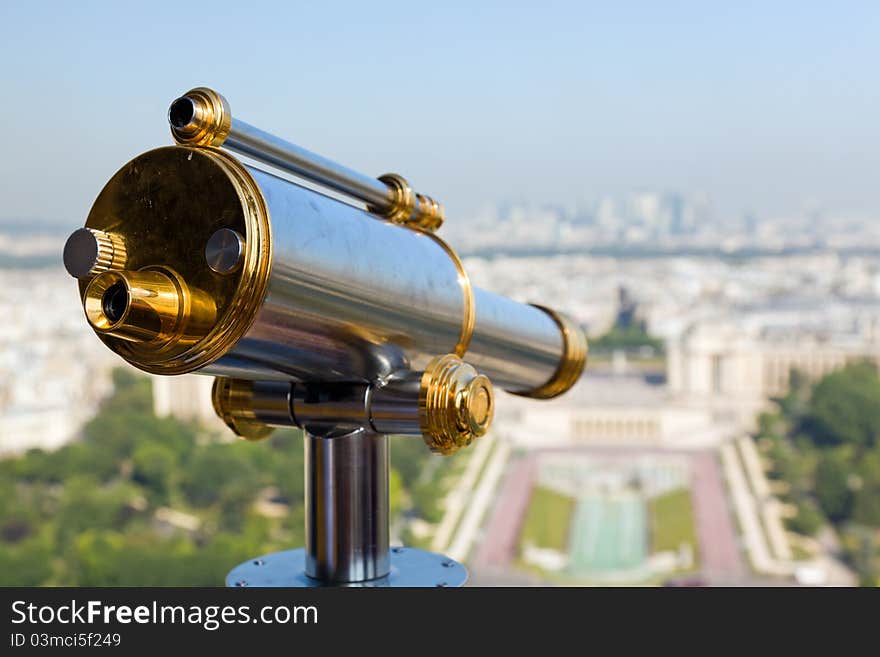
<point x="346" y="501"/>
<point x="347" y="525"/>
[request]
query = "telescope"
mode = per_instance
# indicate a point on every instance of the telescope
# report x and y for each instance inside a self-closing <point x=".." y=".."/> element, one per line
<point x="319" y="298"/>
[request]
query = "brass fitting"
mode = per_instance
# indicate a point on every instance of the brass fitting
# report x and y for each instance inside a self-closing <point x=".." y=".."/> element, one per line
<point x="233" y="401"/>
<point x="571" y="365"/>
<point x="148" y="306"/>
<point x="404" y="202"/>
<point x="89" y="252"/>
<point x="201" y="117"/>
<point x="408" y="208"/>
<point x="456" y="404"/>
<point x="428" y="215"/>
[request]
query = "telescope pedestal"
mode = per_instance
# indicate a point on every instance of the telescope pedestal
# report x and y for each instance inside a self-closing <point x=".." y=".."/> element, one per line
<point x="347" y="532"/>
<point x="410" y="567"/>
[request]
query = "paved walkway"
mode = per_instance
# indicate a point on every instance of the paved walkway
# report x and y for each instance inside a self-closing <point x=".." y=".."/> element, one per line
<point x="502" y="531"/>
<point x="720" y="558"/>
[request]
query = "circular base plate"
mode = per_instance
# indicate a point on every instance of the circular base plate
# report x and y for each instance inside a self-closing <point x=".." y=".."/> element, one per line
<point x="409" y="567"/>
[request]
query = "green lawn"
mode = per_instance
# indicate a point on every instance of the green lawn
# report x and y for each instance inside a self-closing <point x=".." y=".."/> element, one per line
<point x="672" y="522"/>
<point x="548" y="519"/>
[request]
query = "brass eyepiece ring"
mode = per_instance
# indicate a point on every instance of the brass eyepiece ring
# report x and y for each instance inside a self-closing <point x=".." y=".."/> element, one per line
<point x="136" y="306"/>
<point x="201" y="117"/>
<point x="571" y="365"/>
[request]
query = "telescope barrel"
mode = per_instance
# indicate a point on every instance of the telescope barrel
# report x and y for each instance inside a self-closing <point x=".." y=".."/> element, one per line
<point x="202" y="117"/>
<point x="302" y="287"/>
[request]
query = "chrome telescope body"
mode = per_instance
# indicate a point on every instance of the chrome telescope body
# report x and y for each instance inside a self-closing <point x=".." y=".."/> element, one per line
<point x="223" y="268"/>
<point x="345" y="318"/>
<point x="317" y="290"/>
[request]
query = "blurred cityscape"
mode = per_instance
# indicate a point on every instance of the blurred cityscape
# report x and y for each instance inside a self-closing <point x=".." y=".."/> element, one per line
<point x="699" y="447"/>
<point x="657" y="223"/>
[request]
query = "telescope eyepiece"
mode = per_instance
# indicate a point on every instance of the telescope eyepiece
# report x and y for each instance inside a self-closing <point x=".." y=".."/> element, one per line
<point x="115" y="302"/>
<point x="150" y="307"/>
<point x="134" y="306"/>
<point x="200" y="117"/>
<point x="181" y="113"/>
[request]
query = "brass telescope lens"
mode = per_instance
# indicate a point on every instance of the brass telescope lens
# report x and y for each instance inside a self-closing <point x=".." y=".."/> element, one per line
<point x="148" y="306"/>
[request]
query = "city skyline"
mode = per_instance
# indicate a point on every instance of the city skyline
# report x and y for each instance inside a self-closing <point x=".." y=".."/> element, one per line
<point x="767" y="109"/>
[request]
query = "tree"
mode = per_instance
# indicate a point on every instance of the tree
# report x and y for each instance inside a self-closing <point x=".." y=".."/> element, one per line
<point x="219" y="471"/>
<point x="626" y="338"/>
<point x="796" y="401"/>
<point x="28" y="563"/>
<point x="153" y="466"/>
<point x="832" y="488"/>
<point x="395" y="493"/>
<point x="132" y="393"/>
<point x="845" y="407"/>
<point x="808" y="519"/>
<point x="85" y="504"/>
<point x="831" y="453"/>
<point x="866" y="499"/>
<point x="408" y="456"/>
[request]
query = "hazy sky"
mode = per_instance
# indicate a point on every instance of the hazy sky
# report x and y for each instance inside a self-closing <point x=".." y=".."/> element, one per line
<point x="763" y="105"/>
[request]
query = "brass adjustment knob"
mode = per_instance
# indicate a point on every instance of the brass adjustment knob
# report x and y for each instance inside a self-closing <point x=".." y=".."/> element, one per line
<point x="89" y="252"/>
<point x="456" y="404"/>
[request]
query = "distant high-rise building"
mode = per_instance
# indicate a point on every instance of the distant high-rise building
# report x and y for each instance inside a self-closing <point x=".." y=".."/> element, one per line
<point x="607" y="214"/>
<point x="673" y="208"/>
<point x="644" y="208"/>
